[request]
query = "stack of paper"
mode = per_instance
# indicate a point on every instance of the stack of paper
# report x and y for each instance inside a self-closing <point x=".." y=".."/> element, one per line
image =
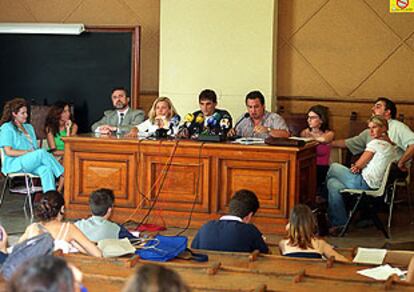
<point x="381" y="272"/>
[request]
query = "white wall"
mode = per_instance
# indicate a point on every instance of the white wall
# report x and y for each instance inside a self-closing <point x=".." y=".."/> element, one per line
<point x="226" y="45"/>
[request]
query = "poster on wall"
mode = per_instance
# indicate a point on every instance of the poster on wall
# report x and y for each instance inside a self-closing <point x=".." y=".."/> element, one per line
<point x="402" y="6"/>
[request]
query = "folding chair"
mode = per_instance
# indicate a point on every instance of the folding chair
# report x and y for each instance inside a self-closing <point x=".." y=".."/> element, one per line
<point x="386" y="190"/>
<point x="30" y="188"/>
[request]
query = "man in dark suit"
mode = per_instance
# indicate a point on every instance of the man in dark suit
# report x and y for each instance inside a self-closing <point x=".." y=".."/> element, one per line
<point x="122" y="118"/>
<point x="233" y="232"/>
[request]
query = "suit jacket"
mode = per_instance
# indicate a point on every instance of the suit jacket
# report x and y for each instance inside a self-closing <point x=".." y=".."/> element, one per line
<point x="132" y="118"/>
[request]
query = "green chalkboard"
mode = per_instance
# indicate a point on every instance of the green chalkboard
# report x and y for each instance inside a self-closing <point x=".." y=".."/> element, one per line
<point x="79" y="69"/>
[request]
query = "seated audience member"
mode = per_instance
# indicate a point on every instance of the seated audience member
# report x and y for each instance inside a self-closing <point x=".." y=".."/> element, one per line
<point x="21" y="152"/>
<point x="47" y="273"/>
<point x="260" y="123"/>
<point x="122" y="118"/>
<point x="154" y="278"/>
<point x="98" y="226"/>
<point x="59" y="124"/>
<point x="301" y="241"/>
<point x="319" y="131"/>
<point x="233" y="232"/>
<point x="159" y="117"/>
<point x="398" y="132"/>
<point x="68" y="238"/>
<point x="367" y="173"/>
<point x="207" y="101"/>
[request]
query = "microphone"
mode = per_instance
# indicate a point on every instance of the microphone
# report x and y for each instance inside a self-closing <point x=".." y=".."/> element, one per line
<point x="199" y="119"/>
<point x="188" y="119"/>
<point x="174" y="122"/>
<point x="225" y="122"/>
<point x="246" y="115"/>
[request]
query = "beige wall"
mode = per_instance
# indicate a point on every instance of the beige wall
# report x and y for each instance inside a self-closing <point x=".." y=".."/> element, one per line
<point x="217" y="44"/>
<point x="353" y="49"/>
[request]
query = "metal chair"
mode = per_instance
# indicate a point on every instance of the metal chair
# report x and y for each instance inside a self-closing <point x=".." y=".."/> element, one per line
<point x="386" y="190"/>
<point x="29" y="191"/>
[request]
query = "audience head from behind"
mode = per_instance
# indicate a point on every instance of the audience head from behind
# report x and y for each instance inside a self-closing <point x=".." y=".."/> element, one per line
<point x="155" y="278"/>
<point x="318" y="118"/>
<point x="301" y="228"/>
<point x="244" y="204"/>
<point x="162" y="107"/>
<point x="59" y="114"/>
<point x="50" y="207"/>
<point x="120" y="98"/>
<point x="384" y="107"/>
<point x="46" y="273"/>
<point x="15" y="111"/>
<point x="101" y="202"/>
<point x="207" y="99"/>
<point x="255" y="103"/>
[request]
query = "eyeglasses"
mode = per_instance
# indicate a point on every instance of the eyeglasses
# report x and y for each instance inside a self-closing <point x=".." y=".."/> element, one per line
<point x="313" y="117"/>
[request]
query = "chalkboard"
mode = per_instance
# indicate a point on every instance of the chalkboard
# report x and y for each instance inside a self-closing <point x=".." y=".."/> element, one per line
<point x="81" y="69"/>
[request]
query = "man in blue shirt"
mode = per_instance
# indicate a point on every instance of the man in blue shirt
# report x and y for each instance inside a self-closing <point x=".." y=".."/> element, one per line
<point x="233" y="232"/>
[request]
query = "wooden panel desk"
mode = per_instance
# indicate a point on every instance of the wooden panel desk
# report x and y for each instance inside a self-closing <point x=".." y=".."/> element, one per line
<point x="181" y="175"/>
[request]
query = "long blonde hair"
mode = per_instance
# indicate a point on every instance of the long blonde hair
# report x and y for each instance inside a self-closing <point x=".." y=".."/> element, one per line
<point x="302" y="227"/>
<point x="151" y="113"/>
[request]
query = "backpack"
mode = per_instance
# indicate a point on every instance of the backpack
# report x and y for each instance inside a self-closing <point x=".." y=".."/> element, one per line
<point x="36" y="246"/>
<point x="163" y="248"/>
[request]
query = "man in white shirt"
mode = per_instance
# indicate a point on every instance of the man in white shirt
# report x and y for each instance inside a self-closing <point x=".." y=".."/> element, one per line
<point x="121" y="118"/>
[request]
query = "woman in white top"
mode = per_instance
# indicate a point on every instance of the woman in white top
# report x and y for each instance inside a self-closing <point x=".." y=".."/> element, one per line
<point x="159" y="117"/>
<point x="67" y="236"/>
<point x="367" y="172"/>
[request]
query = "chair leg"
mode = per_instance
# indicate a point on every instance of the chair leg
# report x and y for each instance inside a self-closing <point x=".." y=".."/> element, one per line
<point x="375" y="219"/>
<point x="29" y="185"/>
<point x="391" y="207"/>
<point x="351" y="216"/>
<point x="6" y="181"/>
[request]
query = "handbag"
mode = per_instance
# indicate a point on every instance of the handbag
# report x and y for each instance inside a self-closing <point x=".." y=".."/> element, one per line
<point x="115" y="247"/>
<point x="163" y="248"/>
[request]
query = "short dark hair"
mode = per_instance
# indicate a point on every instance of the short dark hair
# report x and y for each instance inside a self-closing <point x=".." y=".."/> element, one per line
<point x="242" y="203"/>
<point x="254" y="95"/>
<point x="100" y="201"/>
<point x="389" y="105"/>
<point x="322" y="112"/>
<point x="46" y="273"/>
<point x="124" y="89"/>
<point x="207" y="94"/>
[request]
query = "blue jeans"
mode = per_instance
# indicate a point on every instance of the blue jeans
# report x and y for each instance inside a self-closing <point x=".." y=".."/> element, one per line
<point x="338" y="178"/>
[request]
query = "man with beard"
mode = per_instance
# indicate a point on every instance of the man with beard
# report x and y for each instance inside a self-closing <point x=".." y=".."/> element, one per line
<point x="121" y="118"/>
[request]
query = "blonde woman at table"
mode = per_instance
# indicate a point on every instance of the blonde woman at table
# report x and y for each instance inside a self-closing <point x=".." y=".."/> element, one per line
<point x="160" y="116"/>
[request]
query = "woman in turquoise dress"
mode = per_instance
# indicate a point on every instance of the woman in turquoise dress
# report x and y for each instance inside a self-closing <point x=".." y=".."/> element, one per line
<point x="59" y="124"/>
<point x="21" y="152"/>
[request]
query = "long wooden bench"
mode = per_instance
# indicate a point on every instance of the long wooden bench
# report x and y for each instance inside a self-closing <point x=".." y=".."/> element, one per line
<point x="239" y="272"/>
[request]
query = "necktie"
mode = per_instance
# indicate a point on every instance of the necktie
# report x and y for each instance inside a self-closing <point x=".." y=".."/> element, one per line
<point x="121" y="118"/>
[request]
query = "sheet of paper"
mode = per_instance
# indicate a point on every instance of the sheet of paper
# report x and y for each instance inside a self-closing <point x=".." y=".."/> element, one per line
<point x="373" y="256"/>
<point x="301" y="139"/>
<point x="381" y="272"/>
<point x="249" y="141"/>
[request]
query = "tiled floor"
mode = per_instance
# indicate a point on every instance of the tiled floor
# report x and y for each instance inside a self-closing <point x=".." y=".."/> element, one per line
<point x="13" y="219"/>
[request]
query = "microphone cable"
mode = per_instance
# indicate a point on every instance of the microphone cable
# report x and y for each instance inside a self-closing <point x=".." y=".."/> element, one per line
<point x="196" y="192"/>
